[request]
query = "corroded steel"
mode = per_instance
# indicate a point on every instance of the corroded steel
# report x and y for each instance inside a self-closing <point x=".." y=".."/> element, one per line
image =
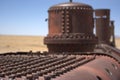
<point x="70" y="28"/>
<point x="112" y="40"/>
<point x="54" y="66"/>
<point x="70" y="42"/>
<point x="103" y="24"/>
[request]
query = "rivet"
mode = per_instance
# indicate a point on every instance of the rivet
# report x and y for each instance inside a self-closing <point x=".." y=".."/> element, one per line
<point x="63" y="31"/>
<point x="67" y="19"/>
<point x="63" y="7"/>
<point x="67" y="31"/>
<point x="63" y="20"/>
<point x="62" y="23"/>
<point x="67" y="7"/>
<point x="63" y="16"/>
<point x="62" y="11"/>
<point x="67" y="23"/>
<point x="74" y="7"/>
<point x="63" y="27"/>
<point x="67" y="15"/>
<point x="67" y="27"/>
<point x="67" y="12"/>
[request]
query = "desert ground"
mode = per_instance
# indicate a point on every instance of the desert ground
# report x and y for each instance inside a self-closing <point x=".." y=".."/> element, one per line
<point x="10" y="43"/>
<point x="117" y="41"/>
<point x="21" y="43"/>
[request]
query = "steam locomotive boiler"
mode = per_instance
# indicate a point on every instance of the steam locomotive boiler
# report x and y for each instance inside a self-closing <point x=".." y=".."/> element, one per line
<point x="71" y="28"/>
<point x="74" y="51"/>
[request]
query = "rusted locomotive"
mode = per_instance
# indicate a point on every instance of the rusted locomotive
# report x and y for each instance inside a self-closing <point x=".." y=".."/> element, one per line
<point x="74" y="51"/>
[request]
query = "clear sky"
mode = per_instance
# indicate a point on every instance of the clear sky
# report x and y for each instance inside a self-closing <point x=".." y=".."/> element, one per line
<point x="27" y="17"/>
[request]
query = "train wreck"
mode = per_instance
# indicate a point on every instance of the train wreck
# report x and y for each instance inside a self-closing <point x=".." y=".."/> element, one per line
<point x="75" y="52"/>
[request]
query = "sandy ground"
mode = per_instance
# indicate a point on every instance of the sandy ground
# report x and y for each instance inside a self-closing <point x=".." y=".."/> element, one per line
<point x="117" y="41"/>
<point x="26" y="43"/>
<point x="21" y="43"/>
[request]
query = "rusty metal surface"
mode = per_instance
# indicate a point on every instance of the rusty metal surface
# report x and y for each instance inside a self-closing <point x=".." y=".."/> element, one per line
<point x="70" y="18"/>
<point x="112" y="41"/>
<point x="31" y="66"/>
<point x="70" y="5"/>
<point x="103" y="24"/>
<point x="50" y="66"/>
<point x="102" y="13"/>
<point x="70" y="28"/>
<point x="107" y="69"/>
<point x="74" y="52"/>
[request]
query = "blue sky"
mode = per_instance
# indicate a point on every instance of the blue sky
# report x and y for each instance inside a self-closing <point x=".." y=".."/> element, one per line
<point x="27" y="17"/>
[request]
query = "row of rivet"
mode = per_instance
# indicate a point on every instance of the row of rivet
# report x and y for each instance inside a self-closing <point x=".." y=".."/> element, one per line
<point x="81" y="8"/>
<point x="63" y="21"/>
<point x="67" y="22"/>
<point x="71" y="37"/>
<point x="81" y="12"/>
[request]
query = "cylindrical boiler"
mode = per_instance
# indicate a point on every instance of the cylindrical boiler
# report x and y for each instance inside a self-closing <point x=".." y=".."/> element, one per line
<point x="70" y="28"/>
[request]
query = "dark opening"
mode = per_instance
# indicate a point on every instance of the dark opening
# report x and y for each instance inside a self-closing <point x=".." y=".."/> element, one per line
<point x="99" y="78"/>
<point x="107" y="70"/>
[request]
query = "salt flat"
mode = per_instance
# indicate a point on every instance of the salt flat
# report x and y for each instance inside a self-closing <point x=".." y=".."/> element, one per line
<point x="26" y="43"/>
